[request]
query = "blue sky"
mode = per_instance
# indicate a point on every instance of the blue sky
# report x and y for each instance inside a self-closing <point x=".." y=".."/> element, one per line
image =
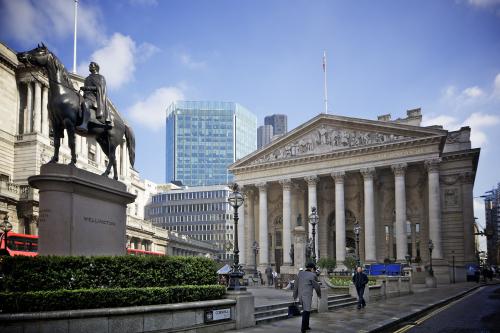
<point x="383" y="57"/>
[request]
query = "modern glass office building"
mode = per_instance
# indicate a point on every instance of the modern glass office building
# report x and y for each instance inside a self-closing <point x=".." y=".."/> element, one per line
<point x="204" y="137"/>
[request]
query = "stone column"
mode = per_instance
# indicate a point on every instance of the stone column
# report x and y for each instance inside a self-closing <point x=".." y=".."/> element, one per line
<point x="312" y="181"/>
<point x="45" y="113"/>
<point x="339" y="219"/>
<point x="250" y="226"/>
<point x="468" y="216"/>
<point x="434" y="207"/>
<point x="242" y="246"/>
<point x="400" y="198"/>
<point x="37" y="109"/>
<point x="29" y="108"/>
<point x="287" y="223"/>
<point x="263" y="237"/>
<point x="369" y="232"/>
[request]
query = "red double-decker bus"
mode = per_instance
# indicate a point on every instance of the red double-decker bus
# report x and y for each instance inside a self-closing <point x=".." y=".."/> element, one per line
<point x="19" y="244"/>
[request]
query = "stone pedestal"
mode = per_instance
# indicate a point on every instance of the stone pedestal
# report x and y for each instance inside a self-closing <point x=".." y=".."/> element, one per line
<point x="244" y="309"/>
<point x="81" y="213"/>
<point x="320" y="304"/>
<point x="299" y="240"/>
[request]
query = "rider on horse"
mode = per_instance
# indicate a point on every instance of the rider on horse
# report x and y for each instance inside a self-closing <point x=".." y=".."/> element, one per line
<point x="94" y="94"/>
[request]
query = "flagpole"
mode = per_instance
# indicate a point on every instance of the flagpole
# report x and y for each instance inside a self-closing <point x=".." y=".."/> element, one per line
<point x="324" y="74"/>
<point x="74" y="38"/>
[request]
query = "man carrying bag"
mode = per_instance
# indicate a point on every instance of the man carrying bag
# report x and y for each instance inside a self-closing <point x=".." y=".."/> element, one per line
<point x="303" y="290"/>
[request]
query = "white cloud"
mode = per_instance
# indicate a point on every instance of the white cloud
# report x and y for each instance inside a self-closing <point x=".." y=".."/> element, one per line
<point x="31" y="22"/>
<point x="188" y="61"/>
<point x="473" y="92"/>
<point x="117" y="59"/>
<point x="496" y="87"/>
<point x="484" y="3"/>
<point x="150" y="111"/>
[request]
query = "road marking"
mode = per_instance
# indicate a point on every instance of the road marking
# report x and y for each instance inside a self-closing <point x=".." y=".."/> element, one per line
<point x="435" y="312"/>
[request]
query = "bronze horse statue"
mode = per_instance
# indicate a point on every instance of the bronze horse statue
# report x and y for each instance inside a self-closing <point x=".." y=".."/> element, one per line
<point x="64" y="111"/>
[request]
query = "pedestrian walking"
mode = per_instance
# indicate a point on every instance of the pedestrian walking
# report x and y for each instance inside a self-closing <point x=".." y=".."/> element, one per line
<point x="269" y="275"/>
<point x="304" y="284"/>
<point x="360" y="280"/>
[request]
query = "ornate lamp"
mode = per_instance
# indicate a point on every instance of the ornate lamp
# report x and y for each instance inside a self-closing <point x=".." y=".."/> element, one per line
<point x="313" y="219"/>
<point x="5" y="226"/>
<point x="431" y="247"/>
<point x="357" y="230"/>
<point x="235" y="200"/>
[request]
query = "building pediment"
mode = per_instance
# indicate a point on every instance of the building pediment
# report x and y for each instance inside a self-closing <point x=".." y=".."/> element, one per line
<point x="327" y="134"/>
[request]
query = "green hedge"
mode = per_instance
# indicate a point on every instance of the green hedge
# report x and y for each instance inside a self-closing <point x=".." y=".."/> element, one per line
<point x="346" y="281"/>
<point x="34" y="301"/>
<point x="54" y="273"/>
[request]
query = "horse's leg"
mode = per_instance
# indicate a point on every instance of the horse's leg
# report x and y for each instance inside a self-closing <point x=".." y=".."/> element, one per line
<point x="112" y="160"/>
<point x="105" y="148"/>
<point x="57" y="144"/>
<point x="70" y="130"/>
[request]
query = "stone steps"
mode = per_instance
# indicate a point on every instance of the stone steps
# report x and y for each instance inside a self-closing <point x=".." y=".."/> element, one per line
<point x="279" y="311"/>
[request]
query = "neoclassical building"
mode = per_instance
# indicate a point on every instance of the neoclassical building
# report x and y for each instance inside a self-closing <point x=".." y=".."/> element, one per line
<point x="404" y="184"/>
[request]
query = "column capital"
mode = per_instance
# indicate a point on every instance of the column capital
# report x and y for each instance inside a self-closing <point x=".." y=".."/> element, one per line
<point x="248" y="191"/>
<point x="399" y="169"/>
<point x="368" y="173"/>
<point x="338" y="176"/>
<point x="286" y="183"/>
<point x="261" y="186"/>
<point x="432" y="165"/>
<point x="311" y="180"/>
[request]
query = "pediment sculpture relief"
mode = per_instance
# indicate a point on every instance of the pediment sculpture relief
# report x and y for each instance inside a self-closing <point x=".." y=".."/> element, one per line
<point x="326" y="139"/>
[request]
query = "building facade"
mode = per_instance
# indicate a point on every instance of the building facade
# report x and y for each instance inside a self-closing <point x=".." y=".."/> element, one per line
<point x="204" y="138"/>
<point x="202" y="213"/>
<point x="279" y="122"/>
<point x="402" y="183"/>
<point x="26" y="143"/>
<point x="492" y="231"/>
<point x="264" y="135"/>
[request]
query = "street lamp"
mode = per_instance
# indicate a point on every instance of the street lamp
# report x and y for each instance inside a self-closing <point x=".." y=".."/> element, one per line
<point x="313" y="219"/>
<point x="255" y="248"/>
<point x="5" y="226"/>
<point x="235" y="200"/>
<point x="408" y="259"/>
<point x="431" y="247"/>
<point x="357" y="229"/>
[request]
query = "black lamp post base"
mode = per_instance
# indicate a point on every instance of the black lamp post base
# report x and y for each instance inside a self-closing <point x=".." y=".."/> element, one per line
<point x="234" y="281"/>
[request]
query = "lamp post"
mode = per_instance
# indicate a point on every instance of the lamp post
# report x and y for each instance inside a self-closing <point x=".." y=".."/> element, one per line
<point x="255" y="248"/>
<point x="313" y="219"/>
<point x="5" y="226"/>
<point x="431" y="247"/>
<point x="453" y="264"/>
<point x="357" y="229"/>
<point x="235" y="200"/>
<point x="408" y="259"/>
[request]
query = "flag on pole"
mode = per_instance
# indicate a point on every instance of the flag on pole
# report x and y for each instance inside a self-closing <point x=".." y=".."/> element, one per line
<point x="324" y="61"/>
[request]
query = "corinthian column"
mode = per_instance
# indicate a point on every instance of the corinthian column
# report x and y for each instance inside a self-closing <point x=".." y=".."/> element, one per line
<point x="339" y="218"/>
<point x="370" y="239"/>
<point x="250" y="226"/>
<point x="263" y="237"/>
<point x="400" y="197"/>
<point x="242" y="246"/>
<point x="37" y="109"/>
<point x="287" y="223"/>
<point x="45" y="113"/>
<point x="434" y="207"/>
<point x="312" y="181"/>
<point x="29" y="108"/>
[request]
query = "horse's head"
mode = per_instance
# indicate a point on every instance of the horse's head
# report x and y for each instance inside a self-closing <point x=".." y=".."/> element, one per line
<point x="36" y="57"/>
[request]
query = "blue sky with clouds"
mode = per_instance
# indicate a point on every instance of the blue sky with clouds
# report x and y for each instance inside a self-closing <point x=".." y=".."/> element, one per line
<point x="383" y="57"/>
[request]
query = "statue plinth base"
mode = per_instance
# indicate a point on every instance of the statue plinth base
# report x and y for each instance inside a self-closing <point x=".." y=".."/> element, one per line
<point x="80" y="213"/>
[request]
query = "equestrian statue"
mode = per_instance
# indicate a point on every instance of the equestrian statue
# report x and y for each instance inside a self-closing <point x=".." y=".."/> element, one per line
<point x="88" y="115"/>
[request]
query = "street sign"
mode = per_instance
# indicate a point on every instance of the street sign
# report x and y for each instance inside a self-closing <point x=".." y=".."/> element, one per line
<point x="217" y="315"/>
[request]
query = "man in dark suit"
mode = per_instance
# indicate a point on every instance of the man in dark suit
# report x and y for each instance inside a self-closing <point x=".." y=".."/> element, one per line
<point x="303" y="290"/>
<point x="360" y="280"/>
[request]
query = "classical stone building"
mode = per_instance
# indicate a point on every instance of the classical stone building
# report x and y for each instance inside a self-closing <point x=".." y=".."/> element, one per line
<point x="26" y="144"/>
<point x="403" y="183"/>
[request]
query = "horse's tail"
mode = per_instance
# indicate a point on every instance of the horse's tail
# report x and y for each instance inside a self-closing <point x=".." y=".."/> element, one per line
<point x="129" y="135"/>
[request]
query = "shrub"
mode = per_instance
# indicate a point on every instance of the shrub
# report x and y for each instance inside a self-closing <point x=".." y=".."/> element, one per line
<point x="53" y="273"/>
<point x="350" y="263"/>
<point x="346" y="281"/>
<point x="327" y="263"/>
<point x="104" y="298"/>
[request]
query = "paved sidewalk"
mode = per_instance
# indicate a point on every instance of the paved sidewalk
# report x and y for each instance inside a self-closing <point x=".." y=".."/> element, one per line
<point x="267" y="295"/>
<point x="373" y="317"/>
